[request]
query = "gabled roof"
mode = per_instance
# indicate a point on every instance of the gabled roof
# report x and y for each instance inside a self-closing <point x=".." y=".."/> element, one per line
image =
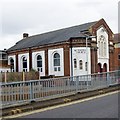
<point x="57" y="36"/>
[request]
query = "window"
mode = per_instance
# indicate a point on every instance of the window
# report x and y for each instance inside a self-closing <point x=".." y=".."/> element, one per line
<point x="118" y="57"/>
<point x="80" y="65"/>
<point x="39" y="63"/>
<point x="102" y="46"/>
<point x="86" y="66"/>
<point x="56" y="62"/>
<point x="24" y="61"/>
<point x="101" y="49"/>
<point x="75" y="63"/>
<point x="104" y="49"/>
<point x="12" y="65"/>
<point x="99" y="46"/>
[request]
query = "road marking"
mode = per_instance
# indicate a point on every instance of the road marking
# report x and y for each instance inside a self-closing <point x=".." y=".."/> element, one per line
<point x="62" y="105"/>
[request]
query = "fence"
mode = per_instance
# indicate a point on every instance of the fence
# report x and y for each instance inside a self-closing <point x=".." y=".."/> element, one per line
<point x="18" y="76"/>
<point x="39" y="90"/>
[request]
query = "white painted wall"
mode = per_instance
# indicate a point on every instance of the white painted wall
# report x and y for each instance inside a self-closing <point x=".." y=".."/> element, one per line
<point x="14" y="58"/>
<point x="51" y="52"/>
<point x="79" y="53"/>
<point x="20" y="66"/>
<point x="34" y="62"/>
<point x="105" y="59"/>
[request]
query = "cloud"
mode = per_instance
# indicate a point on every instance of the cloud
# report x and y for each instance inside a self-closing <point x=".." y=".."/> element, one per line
<point x="38" y="16"/>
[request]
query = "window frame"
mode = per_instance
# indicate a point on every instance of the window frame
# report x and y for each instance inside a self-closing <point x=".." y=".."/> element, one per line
<point x="75" y="63"/>
<point x="25" y="69"/>
<point x="12" y="65"/>
<point x="56" y="62"/>
<point x="39" y="68"/>
<point x="80" y="64"/>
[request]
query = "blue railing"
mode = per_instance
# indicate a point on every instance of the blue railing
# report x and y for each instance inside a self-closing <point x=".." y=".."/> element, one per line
<point x="16" y="93"/>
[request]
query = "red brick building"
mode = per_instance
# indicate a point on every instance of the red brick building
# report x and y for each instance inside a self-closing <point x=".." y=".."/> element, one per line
<point x="117" y="51"/>
<point x="4" y="67"/>
<point x="66" y="52"/>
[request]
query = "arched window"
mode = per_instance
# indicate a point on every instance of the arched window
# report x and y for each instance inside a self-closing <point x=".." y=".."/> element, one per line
<point x="11" y="64"/>
<point x="75" y="63"/>
<point x="105" y="49"/>
<point x="86" y="66"/>
<point x="101" y="49"/>
<point x="39" y="63"/>
<point x="56" y="62"/>
<point x="80" y="64"/>
<point x="102" y="46"/>
<point x="24" y="63"/>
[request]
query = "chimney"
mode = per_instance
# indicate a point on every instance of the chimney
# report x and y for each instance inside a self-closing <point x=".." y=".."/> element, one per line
<point x="25" y="35"/>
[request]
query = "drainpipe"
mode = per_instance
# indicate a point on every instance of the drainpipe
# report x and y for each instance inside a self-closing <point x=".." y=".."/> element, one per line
<point x="71" y="58"/>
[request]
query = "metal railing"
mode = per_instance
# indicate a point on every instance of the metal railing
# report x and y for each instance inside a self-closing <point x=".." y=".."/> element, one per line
<point x="17" y="93"/>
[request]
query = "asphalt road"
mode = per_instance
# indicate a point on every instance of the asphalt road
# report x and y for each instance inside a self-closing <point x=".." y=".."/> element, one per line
<point x="103" y="107"/>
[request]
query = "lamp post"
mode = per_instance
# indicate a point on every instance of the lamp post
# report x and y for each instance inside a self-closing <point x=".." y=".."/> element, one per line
<point x="87" y="63"/>
<point x="86" y="38"/>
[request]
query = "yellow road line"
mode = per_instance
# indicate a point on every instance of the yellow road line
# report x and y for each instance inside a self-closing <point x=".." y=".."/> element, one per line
<point x="62" y="105"/>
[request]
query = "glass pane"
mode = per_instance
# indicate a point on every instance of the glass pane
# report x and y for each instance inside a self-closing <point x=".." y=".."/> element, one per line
<point x="75" y="63"/>
<point x="39" y="57"/>
<point x="55" y="68"/>
<point x="86" y="66"/>
<point x="41" y="70"/>
<point x="56" y="55"/>
<point x="80" y="64"/>
<point x="56" y="62"/>
<point x="39" y="63"/>
<point x="58" y="68"/>
<point x="24" y="64"/>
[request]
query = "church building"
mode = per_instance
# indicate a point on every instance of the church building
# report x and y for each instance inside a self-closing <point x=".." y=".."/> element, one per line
<point x="77" y="50"/>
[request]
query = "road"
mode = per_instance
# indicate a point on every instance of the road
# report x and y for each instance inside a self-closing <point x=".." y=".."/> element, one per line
<point x="105" y="106"/>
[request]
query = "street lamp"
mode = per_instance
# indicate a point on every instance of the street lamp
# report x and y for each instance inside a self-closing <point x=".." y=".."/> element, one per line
<point x="87" y="37"/>
<point x="86" y="63"/>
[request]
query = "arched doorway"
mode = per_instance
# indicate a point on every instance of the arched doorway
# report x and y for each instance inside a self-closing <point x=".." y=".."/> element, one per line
<point x="99" y="68"/>
<point x="105" y="67"/>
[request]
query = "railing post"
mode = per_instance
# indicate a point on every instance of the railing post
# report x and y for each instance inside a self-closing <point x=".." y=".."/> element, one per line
<point x="31" y="91"/>
<point x="87" y="82"/>
<point x="77" y="79"/>
<point x="5" y="77"/>
<point x="23" y="76"/>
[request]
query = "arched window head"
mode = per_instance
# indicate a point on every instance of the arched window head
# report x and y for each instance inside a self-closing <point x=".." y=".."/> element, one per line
<point x="80" y="64"/>
<point x="24" y="62"/>
<point x="39" y="63"/>
<point x="11" y="64"/>
<point x="56" y="62"/>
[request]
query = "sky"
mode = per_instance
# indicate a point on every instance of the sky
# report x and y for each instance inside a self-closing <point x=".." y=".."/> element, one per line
<point x="39" y="16"/>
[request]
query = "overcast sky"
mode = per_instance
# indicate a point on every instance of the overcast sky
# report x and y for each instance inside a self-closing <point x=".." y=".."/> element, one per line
<point x="39" y="16"/>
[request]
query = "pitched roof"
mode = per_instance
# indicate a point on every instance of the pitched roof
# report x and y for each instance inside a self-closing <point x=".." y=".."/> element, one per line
<point x="57" y="36"/>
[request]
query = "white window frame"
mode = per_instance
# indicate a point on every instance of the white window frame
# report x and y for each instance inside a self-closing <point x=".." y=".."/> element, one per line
<point x="57" y="68"/>
<point x="24" y="69"/>
<point x="40" y="69"/>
